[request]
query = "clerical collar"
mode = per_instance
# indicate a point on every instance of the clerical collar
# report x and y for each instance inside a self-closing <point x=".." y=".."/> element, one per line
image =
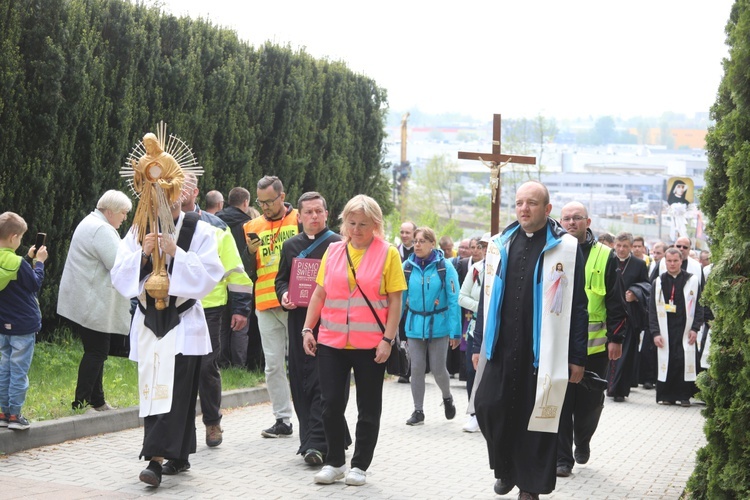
<point x="313" y="236"/>
<point x="537" y="232"/>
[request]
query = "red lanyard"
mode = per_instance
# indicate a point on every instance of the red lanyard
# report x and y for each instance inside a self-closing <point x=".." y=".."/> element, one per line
<point x="671" y="299"/>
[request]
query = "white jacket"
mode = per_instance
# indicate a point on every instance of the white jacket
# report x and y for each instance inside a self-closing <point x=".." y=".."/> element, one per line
<point x="86" y="294"/>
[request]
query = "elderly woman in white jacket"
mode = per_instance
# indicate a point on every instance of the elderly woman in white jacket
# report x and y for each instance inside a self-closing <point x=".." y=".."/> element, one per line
<point x="468" y="298"/>
<point x="87" y="298"/>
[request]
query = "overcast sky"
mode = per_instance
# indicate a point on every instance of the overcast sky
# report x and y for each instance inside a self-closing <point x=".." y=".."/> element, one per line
<point x="563" y="59"/>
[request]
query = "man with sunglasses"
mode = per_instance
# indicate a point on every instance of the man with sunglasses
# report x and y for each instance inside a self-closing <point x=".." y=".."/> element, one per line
<point x="264" y="236"/>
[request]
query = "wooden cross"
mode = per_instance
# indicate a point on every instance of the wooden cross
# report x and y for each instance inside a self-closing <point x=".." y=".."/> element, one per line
<point x="495" y="161"/>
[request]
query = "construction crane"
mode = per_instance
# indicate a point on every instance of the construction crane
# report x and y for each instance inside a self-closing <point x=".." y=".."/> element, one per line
<point x="402" y="171"/>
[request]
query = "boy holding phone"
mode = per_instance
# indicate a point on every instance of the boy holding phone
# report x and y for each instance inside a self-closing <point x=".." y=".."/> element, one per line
<point x="20" y="318"/>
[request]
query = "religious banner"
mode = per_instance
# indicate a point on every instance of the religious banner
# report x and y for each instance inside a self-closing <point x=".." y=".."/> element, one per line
<point x="680" y="196"/>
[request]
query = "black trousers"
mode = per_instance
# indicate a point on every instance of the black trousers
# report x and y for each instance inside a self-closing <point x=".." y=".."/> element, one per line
<point x="209" y="386"/>
<point x="623" y="373"/>
<point x="172" y="435"/>
<point x="580" y="414"/>
<point x="89" y="389"/>
<point x="334" y="366"/>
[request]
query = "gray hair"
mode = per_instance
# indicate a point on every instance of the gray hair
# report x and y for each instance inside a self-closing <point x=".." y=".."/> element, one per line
<point x="114" y="201"/>
<point x="624" y="236"/>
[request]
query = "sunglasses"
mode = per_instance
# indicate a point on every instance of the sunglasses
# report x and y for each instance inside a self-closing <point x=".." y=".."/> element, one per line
<point x="682" y="247"/>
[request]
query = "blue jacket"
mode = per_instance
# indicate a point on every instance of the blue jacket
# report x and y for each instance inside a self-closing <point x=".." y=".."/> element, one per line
<point x="425" y="294"/>
<point x="19" y="285"/>
<point x="579" y="317"/>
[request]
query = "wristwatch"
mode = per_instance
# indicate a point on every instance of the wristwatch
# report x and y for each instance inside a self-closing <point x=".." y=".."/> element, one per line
<point x="390" y="341"/>
<point x="144" y="255"/>
<point x="306" y="330"/>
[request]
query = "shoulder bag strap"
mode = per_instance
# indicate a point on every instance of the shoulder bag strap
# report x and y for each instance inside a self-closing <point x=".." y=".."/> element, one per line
<point x="351" y="266"/>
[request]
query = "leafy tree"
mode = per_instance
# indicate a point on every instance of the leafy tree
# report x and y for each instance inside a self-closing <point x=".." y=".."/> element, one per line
<point x="437" y="187"/>
<point x="723" y="466"/>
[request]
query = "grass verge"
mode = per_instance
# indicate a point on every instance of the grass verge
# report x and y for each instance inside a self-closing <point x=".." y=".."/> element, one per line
<point x="54" y="372"/>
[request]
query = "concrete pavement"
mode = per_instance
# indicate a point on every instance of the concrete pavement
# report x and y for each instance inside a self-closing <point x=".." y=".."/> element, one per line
<point x="641" y="450"/>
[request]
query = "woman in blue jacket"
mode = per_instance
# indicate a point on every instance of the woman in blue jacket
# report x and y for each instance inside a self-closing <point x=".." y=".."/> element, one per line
<point x="432" y="317"/>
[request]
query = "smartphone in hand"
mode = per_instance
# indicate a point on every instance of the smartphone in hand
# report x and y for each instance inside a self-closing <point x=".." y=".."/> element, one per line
<point x="41" y="239"/>
<point x="253" y="236"/>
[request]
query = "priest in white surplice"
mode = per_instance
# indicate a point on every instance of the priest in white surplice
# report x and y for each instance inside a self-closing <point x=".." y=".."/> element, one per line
<point x="167" y="344"/>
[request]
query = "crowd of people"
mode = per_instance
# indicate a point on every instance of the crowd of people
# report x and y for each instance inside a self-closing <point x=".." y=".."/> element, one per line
<point x="543" y="321"/>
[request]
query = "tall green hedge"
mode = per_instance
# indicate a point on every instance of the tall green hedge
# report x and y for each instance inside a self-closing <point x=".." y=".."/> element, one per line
<point x="723" y="465"/>
<point x="82" y="80"/>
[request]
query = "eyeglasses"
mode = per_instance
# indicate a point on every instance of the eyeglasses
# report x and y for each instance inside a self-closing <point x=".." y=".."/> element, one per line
<point x="576" y="218"/>
<point x="682" y="247"/>
<point x="421" y="242"/>
<point x="267" y="203"/>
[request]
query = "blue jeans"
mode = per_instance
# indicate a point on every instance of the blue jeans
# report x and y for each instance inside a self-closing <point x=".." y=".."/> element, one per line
<point x="16" y="352"/>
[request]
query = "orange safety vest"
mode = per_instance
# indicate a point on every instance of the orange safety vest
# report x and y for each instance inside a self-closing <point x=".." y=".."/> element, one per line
<point x="346" y="315"/>
<point x="272" y="234"/>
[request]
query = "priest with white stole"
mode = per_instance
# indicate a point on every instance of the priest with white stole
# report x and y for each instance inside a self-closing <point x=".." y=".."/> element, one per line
<point x="675" y="317"/>
<point x="532" y="323"/>
<point x="169" y="271"/>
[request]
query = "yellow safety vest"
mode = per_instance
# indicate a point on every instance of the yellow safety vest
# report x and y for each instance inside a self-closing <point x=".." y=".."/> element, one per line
<point x="596" y="290"/>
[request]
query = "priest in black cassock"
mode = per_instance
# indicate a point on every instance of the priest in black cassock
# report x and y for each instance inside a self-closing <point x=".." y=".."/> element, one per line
<point x="628" y="290"/>
<point x="532" y="325"/>
<point x="675" y="317"/>
<point x="311" y="243"/>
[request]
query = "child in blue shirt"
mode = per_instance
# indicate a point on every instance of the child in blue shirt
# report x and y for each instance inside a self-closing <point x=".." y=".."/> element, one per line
<point x="20" y="318"/>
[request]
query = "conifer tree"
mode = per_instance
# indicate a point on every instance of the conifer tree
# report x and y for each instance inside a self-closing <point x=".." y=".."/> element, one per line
<point x="723" y="465"/>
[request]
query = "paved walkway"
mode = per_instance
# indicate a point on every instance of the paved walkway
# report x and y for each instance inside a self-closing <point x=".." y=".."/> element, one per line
<point x="641" y="450"/>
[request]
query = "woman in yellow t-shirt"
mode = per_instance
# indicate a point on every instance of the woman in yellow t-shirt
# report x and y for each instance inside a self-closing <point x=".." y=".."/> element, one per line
<point x="358" y="302"/>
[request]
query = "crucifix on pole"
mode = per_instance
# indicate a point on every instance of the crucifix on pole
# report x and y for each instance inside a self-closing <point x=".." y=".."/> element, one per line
<point x="495" y="161"/>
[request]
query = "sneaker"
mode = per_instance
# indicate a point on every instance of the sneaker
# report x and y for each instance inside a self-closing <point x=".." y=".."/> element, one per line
<point x="417" y="418"/>
<point x="4" y="419"/>
<point x="151" y="475"/>
<point x="313" y="457"/>
<point x="279" y="429"/>
<point x="450" y="408"/>
<point x="356" y="477"/>
<point x="18" y="422"/>
<point x="173" y="467"/>
<point x="329" y="474"/>
<point x="104" y="407"/>
<point x="213" y="435"/>
<point x="471" y="425"/>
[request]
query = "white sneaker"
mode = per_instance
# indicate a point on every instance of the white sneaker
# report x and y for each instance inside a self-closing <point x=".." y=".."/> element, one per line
<point x="328" y="474"/>
<point x="471" y="425"/>
<point x="356" y="477"/>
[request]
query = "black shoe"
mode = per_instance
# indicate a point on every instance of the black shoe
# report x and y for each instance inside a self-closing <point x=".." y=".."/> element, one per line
<point x="450" y="408"/>
<point x="582" y="454"/>
<point x="619" y="399"/>
<point x="648" y="385"/>
<point x="403" y="380"/>
<point x="151" y="475"/>
<point x="525" y="495"/>
<point x="564" y="470"/>
<point x="417" y="418"/>
<point x="503" y="487"/>
<point x="279" y="429"/>
<point x="685" y="403"/>
<point x="173" y="467"/>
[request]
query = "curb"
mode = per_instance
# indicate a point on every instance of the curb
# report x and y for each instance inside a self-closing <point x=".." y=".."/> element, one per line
<point x="91" y="423"/>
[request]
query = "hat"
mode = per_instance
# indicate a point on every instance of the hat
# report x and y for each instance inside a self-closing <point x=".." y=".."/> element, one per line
<point x="486" y="237"/>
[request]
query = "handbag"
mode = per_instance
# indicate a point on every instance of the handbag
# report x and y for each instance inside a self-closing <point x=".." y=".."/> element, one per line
<point x="398" y="362"/>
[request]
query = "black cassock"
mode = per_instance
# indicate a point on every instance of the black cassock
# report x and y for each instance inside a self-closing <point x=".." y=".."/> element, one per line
<point x="505" y="397"/>
<point x="675" y="388"/>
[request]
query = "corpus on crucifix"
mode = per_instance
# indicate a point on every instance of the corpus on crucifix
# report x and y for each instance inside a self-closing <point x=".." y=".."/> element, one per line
<point x="495" y="161"/>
